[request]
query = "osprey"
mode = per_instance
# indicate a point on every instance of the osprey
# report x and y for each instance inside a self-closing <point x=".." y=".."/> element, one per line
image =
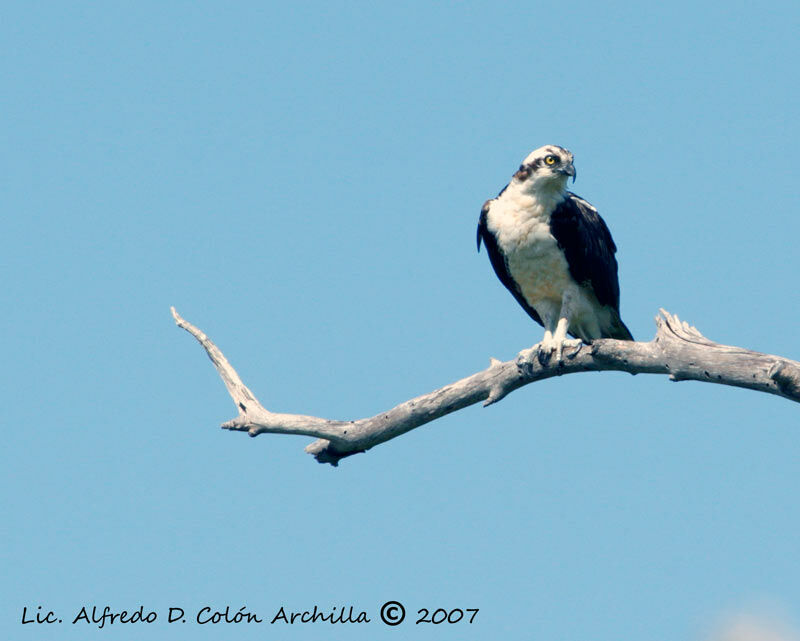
<point x="554" y="253"/>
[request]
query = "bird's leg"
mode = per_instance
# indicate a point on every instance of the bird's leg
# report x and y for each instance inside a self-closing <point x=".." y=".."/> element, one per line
<point x="561" y="340"/>
<point x="549" y="315"/>
<point x="560" y="336"/>
<point x="555" y="318"/>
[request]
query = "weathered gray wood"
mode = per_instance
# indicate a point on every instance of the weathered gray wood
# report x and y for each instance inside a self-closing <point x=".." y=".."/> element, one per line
<point x="677" y="350"/>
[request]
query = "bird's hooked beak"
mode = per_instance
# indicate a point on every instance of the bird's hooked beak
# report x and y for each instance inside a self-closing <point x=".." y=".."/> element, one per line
<point x="569" y="170"/>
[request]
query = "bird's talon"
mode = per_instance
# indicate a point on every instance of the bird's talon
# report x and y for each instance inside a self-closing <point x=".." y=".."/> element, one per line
<point x="544" y="353"/>
<point x="575" y="351"/>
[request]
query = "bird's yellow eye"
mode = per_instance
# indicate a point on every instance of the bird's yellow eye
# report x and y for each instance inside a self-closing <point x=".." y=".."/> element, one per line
<point x="550" y="160"/>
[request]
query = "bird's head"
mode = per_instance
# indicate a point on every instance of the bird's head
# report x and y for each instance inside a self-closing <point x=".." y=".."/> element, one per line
<point x="546" y="169"/>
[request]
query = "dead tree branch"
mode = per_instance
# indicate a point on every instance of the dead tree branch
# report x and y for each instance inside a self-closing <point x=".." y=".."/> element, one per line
<point x="677" y="350"/>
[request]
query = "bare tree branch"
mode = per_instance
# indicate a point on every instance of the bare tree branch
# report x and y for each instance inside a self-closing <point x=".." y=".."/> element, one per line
<point x="678" y="350"/>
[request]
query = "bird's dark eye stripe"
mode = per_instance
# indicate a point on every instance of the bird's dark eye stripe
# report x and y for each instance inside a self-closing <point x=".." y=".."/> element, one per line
<point x="526" y="170"/>
<point x="523" y="172"/>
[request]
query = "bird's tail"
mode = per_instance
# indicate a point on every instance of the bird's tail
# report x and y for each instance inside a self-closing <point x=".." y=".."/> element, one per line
<point x="616" y="329"/>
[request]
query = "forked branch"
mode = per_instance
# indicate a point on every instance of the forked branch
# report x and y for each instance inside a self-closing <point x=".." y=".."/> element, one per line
<point x="677" y="350"/>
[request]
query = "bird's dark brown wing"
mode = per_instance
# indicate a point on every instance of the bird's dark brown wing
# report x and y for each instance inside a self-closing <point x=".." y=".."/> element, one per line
<point x="589" y="249"/>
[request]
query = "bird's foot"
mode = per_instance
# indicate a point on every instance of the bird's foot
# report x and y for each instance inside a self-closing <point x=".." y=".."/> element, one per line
<point x="553" y="346"/>
<point x="575" y="343"/>
<point x="543" y="352"/>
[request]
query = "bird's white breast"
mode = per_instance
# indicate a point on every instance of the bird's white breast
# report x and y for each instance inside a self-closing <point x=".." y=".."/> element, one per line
<point x="521" y="225"/>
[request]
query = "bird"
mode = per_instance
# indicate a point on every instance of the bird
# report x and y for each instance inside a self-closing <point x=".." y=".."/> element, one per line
<point x="555" y="254"/>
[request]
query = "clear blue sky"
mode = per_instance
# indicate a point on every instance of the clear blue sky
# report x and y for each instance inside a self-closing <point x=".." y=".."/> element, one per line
<point x="303" y="181"/>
